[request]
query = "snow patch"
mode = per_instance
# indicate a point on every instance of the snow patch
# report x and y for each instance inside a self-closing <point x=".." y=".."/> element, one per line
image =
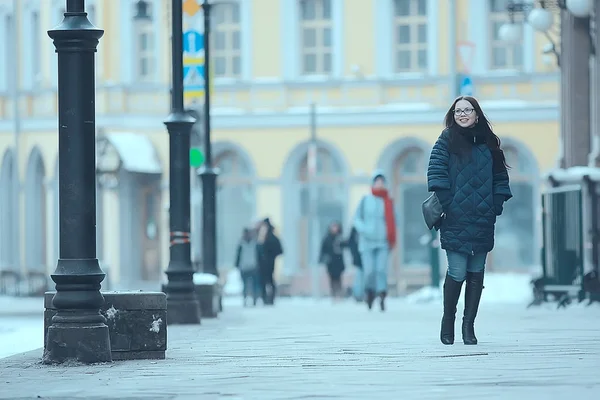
<point x="155" y="326"/>
<point x="500" y="288"/>
<point x="201" y="278"/>
<point x="112" y="312"/>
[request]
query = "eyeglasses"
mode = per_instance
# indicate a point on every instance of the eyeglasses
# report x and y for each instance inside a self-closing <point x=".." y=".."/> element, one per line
<point x="466" y="111"/>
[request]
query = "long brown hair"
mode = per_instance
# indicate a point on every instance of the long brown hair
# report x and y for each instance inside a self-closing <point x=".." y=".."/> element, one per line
<point x="457" y="144"/>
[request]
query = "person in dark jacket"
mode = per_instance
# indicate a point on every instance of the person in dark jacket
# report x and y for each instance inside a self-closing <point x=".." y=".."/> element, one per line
<point x="247" y="262"/>
<point x="269" y="248"/>
<point x="468" y="173"/>
<point x="358" y="286"/>
<point x="332" y="255"/>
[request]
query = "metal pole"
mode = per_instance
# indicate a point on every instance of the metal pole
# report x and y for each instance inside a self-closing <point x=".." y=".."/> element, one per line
<point x="78" y="331"/>
<point x="182" y="304"/>
<point x="16" y="240"/>
<point x="313" y="226"/>
<point x="208" y="174"/>
<point x="452" y="44"/>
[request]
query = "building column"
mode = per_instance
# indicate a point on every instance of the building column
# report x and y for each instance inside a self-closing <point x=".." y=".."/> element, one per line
<point x="575" y="90"/>
<point x="594" y="157"/>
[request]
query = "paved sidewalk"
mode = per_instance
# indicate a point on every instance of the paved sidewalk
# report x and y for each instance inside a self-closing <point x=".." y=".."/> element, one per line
<point x="299" y="350"/>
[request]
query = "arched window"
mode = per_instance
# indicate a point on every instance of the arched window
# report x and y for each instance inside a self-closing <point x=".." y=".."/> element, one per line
<point x="515" y="239"/>
<point x="310" y="203"/>
<point x="327" y="187"/>
<point x="35" y="213"/>
<point x="235" y="203"/>
<point x="9" y="255"/>
<point x="410" y="190"/>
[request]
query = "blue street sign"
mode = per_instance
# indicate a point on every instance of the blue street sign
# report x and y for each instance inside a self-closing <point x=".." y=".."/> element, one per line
<point x="193" y="78"/>
<point x="465" y="87"/>
<point x="193" y="42"/>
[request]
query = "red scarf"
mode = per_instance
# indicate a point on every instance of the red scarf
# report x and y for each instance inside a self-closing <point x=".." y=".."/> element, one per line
<point x="390" y="222"/>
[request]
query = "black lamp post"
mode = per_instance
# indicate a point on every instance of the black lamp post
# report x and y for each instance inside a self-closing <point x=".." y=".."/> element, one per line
<point x="182" y="304"/>
<point x="208" y="173"/>
<point x="78" y="331"/>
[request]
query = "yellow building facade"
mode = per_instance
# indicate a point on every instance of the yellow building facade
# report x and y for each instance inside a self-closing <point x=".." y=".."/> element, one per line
<point x="381" y="74"/>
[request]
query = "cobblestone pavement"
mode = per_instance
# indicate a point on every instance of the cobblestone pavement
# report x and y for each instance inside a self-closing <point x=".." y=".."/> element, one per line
<point x="303" y="350"/>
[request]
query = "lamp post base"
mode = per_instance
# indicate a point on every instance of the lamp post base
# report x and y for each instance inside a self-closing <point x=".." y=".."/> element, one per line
<point x="183" y="311"/>
<point x="71" y="340"/>
<point x="183" y="307"/>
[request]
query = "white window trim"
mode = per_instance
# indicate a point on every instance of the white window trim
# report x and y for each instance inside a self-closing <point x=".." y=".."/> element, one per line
<point x="384" y="40"/>
<point x="246" y="43"/>
<point x="6" y="73"/>
<point x="26" y="53"/>
<point x="290" y="44"/>
<point x="479" y="33"/>
<point x="127" y="51"/>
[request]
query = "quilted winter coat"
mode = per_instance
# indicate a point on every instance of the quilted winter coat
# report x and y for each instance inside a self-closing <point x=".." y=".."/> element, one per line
<point x="471" y="212"/>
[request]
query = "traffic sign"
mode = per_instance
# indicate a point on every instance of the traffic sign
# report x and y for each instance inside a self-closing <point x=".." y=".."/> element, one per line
<point x="193" y="42"/>
<point x="465" y="87"/>
<point x="193" y="77"/>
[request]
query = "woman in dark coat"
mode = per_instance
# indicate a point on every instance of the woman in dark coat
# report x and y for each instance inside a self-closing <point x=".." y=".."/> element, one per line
<point x="332" y="256"/>
<point x="269" y="248"/>
<point x="358" y="287"/>
<point x="468" y="173"/>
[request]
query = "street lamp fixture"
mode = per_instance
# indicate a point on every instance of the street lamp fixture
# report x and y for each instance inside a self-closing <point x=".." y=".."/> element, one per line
<point x="541" y="18"/>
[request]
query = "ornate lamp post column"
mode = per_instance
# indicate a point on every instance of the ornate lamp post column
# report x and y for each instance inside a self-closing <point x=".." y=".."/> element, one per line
<point x="182" y="304"/>
<point x="78" y="331"/>
<point x="208" y="174"/>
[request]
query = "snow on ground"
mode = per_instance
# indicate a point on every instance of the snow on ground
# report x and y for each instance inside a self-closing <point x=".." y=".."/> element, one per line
<point x="500" y="288"/>
<point x="20" y="335"/>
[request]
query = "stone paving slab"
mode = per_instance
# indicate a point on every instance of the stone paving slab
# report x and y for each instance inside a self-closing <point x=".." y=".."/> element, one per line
<point x="303" y="350"/>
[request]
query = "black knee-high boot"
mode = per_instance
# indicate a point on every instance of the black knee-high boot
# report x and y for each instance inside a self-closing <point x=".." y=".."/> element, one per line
<point x="472" y="298"/>
<point x="452" y="290"/>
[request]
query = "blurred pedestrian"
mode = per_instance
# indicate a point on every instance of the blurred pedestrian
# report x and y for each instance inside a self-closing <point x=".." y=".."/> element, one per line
<point x="375" y="222"/>
<point x="247" y="263"/>
<point x="332" y="256"/>
<point x="358" y="288"/>
<point x="468" y="173"/>
<point x="269" y="248"/>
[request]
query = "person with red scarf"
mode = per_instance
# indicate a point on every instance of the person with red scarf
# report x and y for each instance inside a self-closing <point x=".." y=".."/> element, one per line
<point x="375" y="221"/>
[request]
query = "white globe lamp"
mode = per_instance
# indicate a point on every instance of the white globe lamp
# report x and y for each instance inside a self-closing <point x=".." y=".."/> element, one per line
<point x="580" y="8"/>
<point x="510" y="33"/>
<point x="540" y="19"/>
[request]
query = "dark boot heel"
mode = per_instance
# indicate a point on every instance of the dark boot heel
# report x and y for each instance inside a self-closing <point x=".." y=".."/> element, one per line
<point x="382" y="297"/>
<point x="370" y="298"/>
<point x="452" y="290"/>
<point x="473" y="292"/>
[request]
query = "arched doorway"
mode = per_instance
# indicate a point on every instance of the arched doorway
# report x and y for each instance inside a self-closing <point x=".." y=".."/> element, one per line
<point x="329" y="187"/>
<point x="516" y="240"/>
<point x="236" y="200"/>
<point x="35" y="213"/>
<point x="9" y="254"/>
<point x="405" y="162"/>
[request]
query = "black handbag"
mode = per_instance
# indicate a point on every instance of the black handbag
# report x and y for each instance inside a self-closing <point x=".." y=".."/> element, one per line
<point x="432" y="212"/>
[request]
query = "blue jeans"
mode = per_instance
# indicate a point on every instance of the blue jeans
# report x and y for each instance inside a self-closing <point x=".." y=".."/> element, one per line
<point x="358" y="286"/>
<point x="375" y="263"/>
<point x="251" y="284"/>
<point x="460" y="263"/>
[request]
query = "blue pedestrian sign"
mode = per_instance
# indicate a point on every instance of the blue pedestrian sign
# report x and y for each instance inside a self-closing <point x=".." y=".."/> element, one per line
<point x="465" y="87"/>
<point x="193" y="42"/>
<point x="193" y="77"/>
